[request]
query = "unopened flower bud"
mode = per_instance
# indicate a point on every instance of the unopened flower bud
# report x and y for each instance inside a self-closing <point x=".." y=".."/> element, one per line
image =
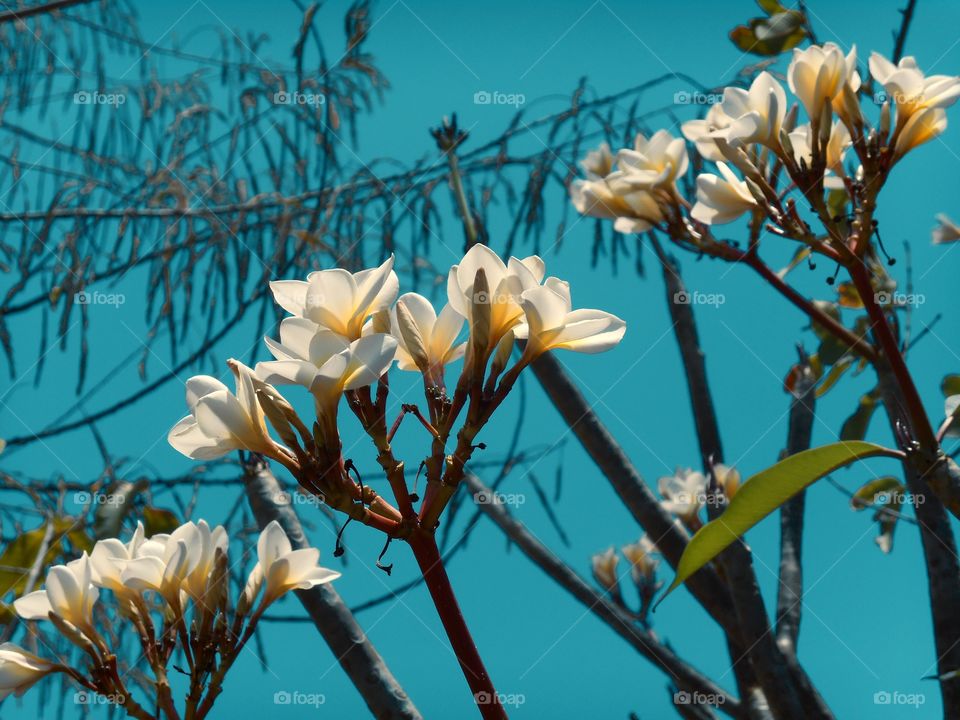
<point x="789" y="123"/>
<point x="826" y="125"/>
<point x="757" y="192"/>
<point x="381" y="321"/>
<point x="481" y="308"/>
<point x="412" y="338"/>
<point x="884" y="120"/>
<point x="277" y="418"/>
<point x="787" y="144"/>
<point x="501" y="356"/>
<point x="605" y="570"/>
<point x="70" y="632"/>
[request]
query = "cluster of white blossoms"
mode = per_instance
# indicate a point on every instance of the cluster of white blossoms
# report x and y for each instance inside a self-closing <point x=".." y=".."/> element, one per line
<point x="345" y="330"/>
<point x="642" y="557"/>
<point x="686" y="492"/>
<point x="753" y="129"/>
<point x="179" y="579"/>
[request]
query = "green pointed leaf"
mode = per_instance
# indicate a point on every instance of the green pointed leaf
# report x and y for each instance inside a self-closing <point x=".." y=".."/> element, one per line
<point x="950" y="385"/>
<point x="855" y="427"/>
<point x="762" y="494"/>
<point x="159" y="520"/>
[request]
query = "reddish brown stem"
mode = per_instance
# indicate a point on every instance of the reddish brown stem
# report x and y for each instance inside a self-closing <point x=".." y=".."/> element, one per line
<point x="438" y="583"/>
<point x="919" y="421"/>
<point x="821" y="318"/>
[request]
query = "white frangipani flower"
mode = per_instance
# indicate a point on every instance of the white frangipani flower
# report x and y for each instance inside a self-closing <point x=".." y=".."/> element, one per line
<point x="506" y="282"/>
<point x="166" y="573"/>
<point x="280" y="568"/>
<point x="945" y="231"/>
<point x="910" y="90"/>
<point x="640" y="554"/>
<point x="604" y="567"/>
<point x="923" y="126"/>
<point x="651" y="163"/>
<point x="426" y="341"/>
<point x="337" y="299"/>
<point x="632" y="212"/>
<point x="801" y="139"/>
<point x="68" y="593"/>
<point x="220" y="421"/>
<point x="324" y="362"/>
<point x="598" y="163"/>
<point x="721" y="199"/>
<point x="552" y="324"/>
<point x="757" y="113"/>
<point x="920" y="100"/>
<point x="20" y="669"/>
<point x="702" y="132"/>
<point x="684" y="493"/>
<point x="820" y="73"/>
<point x="108" y="558"/>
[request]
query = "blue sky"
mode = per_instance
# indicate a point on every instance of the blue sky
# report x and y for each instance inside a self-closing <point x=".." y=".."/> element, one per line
<point x="866" y="626"/>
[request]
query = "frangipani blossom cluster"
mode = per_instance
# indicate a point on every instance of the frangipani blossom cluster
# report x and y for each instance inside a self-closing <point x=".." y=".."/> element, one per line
<point x="643" y="563"/>
<point x="755" y="132"/>
<point x="175" y="591"/>
<point x="344" y="333"/>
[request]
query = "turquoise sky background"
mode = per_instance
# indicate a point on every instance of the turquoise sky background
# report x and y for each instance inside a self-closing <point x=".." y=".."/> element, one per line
<point x="866" y="626"/>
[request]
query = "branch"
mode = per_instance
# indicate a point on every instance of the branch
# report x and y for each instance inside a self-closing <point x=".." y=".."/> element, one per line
<point x="354" y="651"/>
<point x="778" y="681"/>
<point x="790" y="590"/>
<point x="669" y="536"/>
<point x="24" y="13"/>
<point x="901" y="40"/>
<point x="939" y="547"/>
<point x="645" y="642"/>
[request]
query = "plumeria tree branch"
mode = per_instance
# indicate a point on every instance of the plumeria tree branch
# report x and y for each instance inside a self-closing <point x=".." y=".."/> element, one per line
<point x="354" y="651"/>
<point x="644" y="641"/>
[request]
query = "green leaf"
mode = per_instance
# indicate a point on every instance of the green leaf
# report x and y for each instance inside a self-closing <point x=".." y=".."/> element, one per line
<point x="19" y="556"/>
<point x="158" y="520"/>
<point x="855" y="427"/>
<point x="769" y="36"/>
<point x="868" y="493"/>
<point x="950" y="385"/>
<point x="762" y="494"/>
